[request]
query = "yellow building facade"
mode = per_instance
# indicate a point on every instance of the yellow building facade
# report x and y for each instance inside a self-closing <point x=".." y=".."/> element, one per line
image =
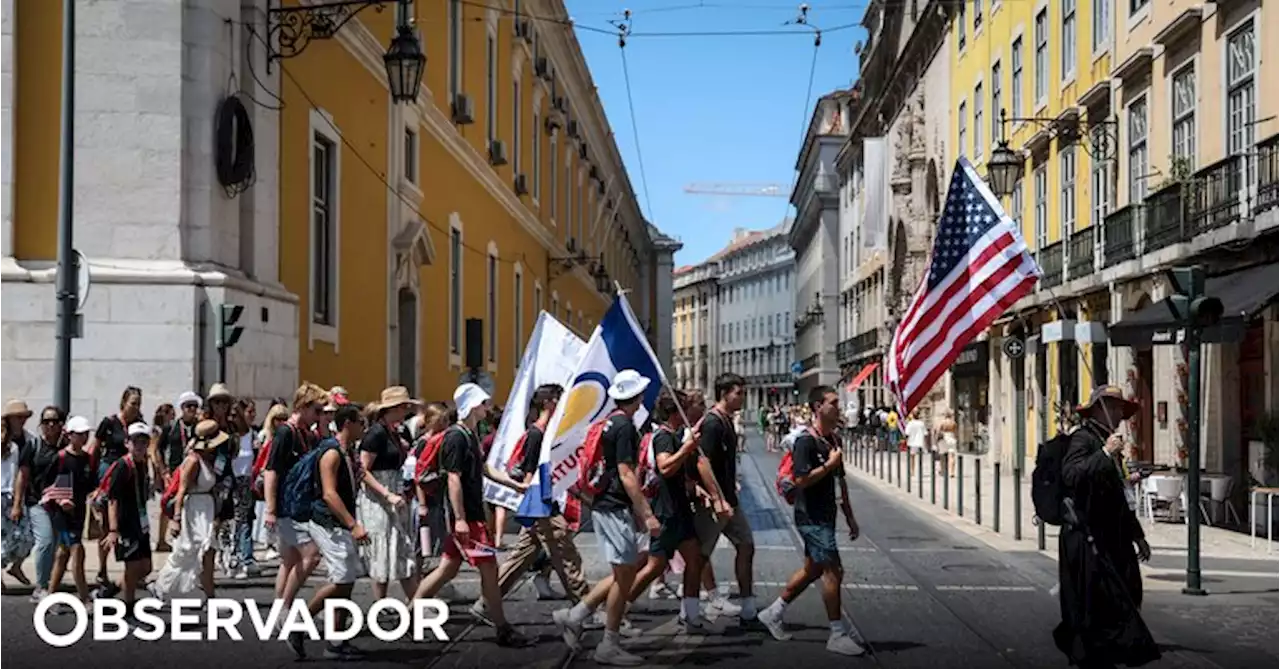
<point x="379" y="229"/>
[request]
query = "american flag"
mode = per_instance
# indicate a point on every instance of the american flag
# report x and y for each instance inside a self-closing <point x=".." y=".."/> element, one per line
<point x="979" y="267"/>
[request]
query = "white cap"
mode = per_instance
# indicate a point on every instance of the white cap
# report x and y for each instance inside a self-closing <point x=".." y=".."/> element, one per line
<point x="78" y="425"/>
<point x="139" y="428"/>
<point x="628" y="384"/>
<point x="188" y="397"/>
<point x="467" y="397"/>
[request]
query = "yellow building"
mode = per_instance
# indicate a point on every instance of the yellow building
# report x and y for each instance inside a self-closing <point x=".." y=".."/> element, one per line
<point x="371" y="231"/>
<point x="1037" y="75"/>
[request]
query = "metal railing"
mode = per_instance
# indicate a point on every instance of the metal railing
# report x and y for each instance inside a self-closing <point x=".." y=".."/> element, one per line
<point x="1166" y="219"/>
<point x="1051" y="259"/>
<point x="1268" y="173"/>
<point x="1120" y="234"/>
<point x="1080" y="255"/>
<point x="1217" y="195"/>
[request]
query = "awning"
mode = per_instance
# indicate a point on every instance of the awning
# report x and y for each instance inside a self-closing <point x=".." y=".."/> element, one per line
<point x="862" y="376"/>
<point x="1243" y="293"/>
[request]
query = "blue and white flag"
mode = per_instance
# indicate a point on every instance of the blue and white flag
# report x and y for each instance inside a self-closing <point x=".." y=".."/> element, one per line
<point x="550" y="356"/>
<point x="618" y="343"/>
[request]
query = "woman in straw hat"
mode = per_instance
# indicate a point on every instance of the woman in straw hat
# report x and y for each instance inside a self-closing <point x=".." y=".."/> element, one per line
<point x="195" y="506"/>
<point x="382" y="509"/>
<point x="14" y="444"/>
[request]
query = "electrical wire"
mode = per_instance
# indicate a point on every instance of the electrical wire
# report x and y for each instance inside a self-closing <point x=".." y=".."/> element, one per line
<point x="623" y="30"/>
<point x="808" y="98"/>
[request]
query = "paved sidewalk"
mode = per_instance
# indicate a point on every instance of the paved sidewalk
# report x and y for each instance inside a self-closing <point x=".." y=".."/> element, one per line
<point x="976" y="499"/>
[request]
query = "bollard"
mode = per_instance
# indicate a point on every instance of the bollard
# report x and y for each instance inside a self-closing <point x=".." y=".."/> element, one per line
<point x="1017" y="502"/>
<point x="911" y="460"/>
<point x="920" y="475"/>
<point x="960" y="485"/>
<point x="996" y="473"/>
<point x="898" y="464"/>
<point x="977" y="490"/>
<point x="1040" y="534"/>
<point x="946" y="480"/>
<point x="933" y="477"/>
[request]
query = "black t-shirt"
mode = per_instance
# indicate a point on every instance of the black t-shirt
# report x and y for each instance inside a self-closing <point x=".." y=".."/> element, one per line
<point x="127" y="486"/>
<point x="815" y="505"/>
<point x="529" y="460"/>
<point x="620" y="444"/>
<point x="84" y="478"/>
<point x="720" y="445"/>
<point x="385" y="447"/>
<point x="322" y="515"/>
<point x="39" y="458"/>
<point x="175" y="443"/>
<point x="113" y="439"/>
<point x="288" y="445"/>
<point x="460" y="454"/>
<point x="672" y="500"/>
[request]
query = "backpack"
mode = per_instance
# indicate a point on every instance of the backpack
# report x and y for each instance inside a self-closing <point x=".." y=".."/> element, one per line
<point x="170" y="494"/>
<point x="591" y="473"/>
<point x="257" y="478"/>
<point x="785" y="482"/>
<point x="517" y="454"/>
<point x="302" y="485"/>
<point x="1047" y="487"/>
<point x="426" y="469"/>
<point x="647" y="465"/>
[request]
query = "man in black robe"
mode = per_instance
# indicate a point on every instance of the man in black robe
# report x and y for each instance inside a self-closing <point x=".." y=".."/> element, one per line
<point x="1100" y="545"/>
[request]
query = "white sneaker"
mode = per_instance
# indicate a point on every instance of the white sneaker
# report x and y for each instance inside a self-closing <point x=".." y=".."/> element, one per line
<point x="844" y="644"/>
<point x="272" y="554"/>
<point x="242" y="574"/>
<point x="596" y="621"/>
<point x="698" y="625"/>
<point x="660" y="590"/>
<point x="612" y="654"/>
<point x="721" y="606"/>
<point x="627" y="630"/>
<point x="570" y="631"/>
<point x="38" y="594"/>
<point x="543" y="585"/>
<point x="773" y="623"/>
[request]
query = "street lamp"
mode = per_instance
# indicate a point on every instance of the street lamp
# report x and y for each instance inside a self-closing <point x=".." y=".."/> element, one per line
<point x="291" y="29"/>
<point x="1004" y="168"/>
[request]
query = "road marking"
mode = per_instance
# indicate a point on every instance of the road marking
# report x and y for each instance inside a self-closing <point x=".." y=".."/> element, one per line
<point x="853" y="586"/>
<point x="793" y="549"/>
<point x="1211" y="572"/>
<point x="936" y="549"/>
<point x="987" y="588"/>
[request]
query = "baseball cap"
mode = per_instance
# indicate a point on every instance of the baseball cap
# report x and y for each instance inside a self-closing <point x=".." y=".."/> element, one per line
<point x="139" y="428"/>
<point x="79" y="425"/>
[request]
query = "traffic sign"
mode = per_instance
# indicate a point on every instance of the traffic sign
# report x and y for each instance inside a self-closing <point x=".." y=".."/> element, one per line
<point x="1014" y="347"/>
<point x="82" y="280"/>
<point x="796" y="367"/>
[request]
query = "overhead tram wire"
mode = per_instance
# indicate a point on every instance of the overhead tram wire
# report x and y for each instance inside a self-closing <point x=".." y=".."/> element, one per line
<point x="803" y="20"/>
<point x="624" y="29"/>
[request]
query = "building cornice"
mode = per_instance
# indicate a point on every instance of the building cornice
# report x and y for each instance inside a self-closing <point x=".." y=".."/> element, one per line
<point x="135" y="272"/>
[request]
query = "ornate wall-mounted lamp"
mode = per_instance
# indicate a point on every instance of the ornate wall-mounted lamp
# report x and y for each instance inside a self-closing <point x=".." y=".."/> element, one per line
<point x="1005" y="166"/>
<point x="292" y="28"/>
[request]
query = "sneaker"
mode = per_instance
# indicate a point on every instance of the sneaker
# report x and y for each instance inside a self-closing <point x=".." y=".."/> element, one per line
<point x="721" y="606"/>
<point x="294" y="641"/>
<point x="272" y="554"/>
<point x="342" y="651"/>
<point x="543" y="585"/>
<point x="773" y="623"/>
<point x="844" y="644"/>
<point x="62" y="610"/>
<point x="570" y="631"/>
<point x="38" y="594"/>
<point x="253" y="569"/>
<point x="660" y="590"/>
<point x="508" y="637"/>
<point x="595" y="622"/>
<point x="627" y="630"/>
<point x="242" y="574"/>
<point x="479" y="612"/>
<point x="613" y="655"/>
<point x="698" y="625"/>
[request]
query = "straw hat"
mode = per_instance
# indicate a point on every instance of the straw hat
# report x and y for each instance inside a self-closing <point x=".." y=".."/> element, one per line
<point x="208" y="436"/>
<point x="219" y="391"/>
<point x="17" y="408"/>
<point x="393" y="397"/>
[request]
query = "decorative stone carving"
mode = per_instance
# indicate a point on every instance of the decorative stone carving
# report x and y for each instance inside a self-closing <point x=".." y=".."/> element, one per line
<point x="413" y="249"/>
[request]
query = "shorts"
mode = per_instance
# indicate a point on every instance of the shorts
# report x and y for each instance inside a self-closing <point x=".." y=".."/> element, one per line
<point x="133" y="549"/>
<point x="820" y="543"/>
<point x="291" y="534"/>
<point x="67" y="527"/>
<point x="710" y="528"/>
<point x="618" y="536"/>
<point x="479" y="534"/>
<point x="675" y="531"/>
<point x="338" y="548"/>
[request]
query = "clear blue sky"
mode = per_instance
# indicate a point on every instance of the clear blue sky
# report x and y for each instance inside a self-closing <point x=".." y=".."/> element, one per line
<point x="712" y="108"/>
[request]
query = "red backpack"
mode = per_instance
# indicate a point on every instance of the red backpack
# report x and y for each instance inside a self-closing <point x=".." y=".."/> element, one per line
<point x="171" y="492"/>
<point x="257" y="480"/>
<point x="786" y="480"/>
<point x="426" y="468"/>
<point x="647" y="464"/>
<point x="591" y="474"/>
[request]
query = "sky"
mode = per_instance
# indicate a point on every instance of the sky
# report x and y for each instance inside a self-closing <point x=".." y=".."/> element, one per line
<point x="714" y="109"/>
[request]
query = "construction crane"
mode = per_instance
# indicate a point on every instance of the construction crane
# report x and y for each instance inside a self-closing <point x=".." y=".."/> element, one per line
<point x="738" y="189"/>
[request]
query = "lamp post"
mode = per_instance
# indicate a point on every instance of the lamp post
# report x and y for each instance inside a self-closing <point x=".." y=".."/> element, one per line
<point x="68" y="288"/>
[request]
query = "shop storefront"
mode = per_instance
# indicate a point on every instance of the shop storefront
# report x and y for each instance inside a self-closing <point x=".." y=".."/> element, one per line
<point x="969" y="397"/>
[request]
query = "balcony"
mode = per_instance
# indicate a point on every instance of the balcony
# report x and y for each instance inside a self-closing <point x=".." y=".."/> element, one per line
<point x="1051" y="265"/>
<point x="809" y="363"/>
<point x="1166" y="216"/>
<point x="1080" y="255"/>
<point x="1267" y="174"/>
<point x="1120" y="234"/>
<point x="1215" y="198"/>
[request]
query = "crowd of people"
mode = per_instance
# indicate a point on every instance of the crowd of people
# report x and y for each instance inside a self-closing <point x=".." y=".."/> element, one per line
<point x="396" y="485"/>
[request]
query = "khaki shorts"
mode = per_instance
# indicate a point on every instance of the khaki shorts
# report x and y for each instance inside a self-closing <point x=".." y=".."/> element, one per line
<point x="710" y="528"/>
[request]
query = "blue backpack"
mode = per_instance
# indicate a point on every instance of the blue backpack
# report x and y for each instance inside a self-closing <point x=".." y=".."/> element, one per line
<point x="302" y="485"/>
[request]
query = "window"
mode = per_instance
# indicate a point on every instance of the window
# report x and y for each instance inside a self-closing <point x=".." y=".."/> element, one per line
<point x="1015" y="79"/>
<point x="537" y="297"/>
<point x="1017" y="204"/>
<point x="1042" y="57"/>
<point x="963" y="120"/>
<point x="977" y="15"/>
<point x="1137" y="150"/>
<point x="568" y="192"/>
<point x="1041" y="186"/>
<point x="1184" y="115"/>
<point x="582" y="208"/>
<point x="1136" y="6"/>
<point x="491" y="89"/>
<point x="1101" y="176"/>
<point x="1067" y="175"/>
<point x="977" y="121"/>
<point x="324" y="229"/>
<point x="1068" y="63"/>
<point x="555" y="153"/>
<point x="455" y="47"/>
<point x="997" y="90"/>
<point x="455" y="290"/>
<point x="1242" y="95"/>
<point x="1101" y="25"/>
<point x="410" y="156"/>
<point x="491" y="301"/>
<point x="517" y="296"/>
<point x="536" y="135"/>
<point x="960" y="25"/>
<point x="516" y="117"/>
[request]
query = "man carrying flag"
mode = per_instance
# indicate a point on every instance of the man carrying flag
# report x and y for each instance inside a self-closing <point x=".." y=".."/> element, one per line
<point x="979" y="268"/>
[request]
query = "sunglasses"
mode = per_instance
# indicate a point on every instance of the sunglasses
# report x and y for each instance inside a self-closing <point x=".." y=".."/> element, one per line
<point x="50" y="421"/>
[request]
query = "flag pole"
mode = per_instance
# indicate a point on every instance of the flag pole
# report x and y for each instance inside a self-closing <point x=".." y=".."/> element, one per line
<point x="662" y="374"/>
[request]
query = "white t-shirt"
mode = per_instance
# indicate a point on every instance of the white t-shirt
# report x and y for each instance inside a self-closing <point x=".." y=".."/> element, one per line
<point x="243" y="462"/>
<point x="9" y="470"/>
<point x="916" y="433"/>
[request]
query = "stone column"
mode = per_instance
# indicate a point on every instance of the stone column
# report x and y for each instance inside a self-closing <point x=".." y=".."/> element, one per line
<point x="7" y="21"/>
